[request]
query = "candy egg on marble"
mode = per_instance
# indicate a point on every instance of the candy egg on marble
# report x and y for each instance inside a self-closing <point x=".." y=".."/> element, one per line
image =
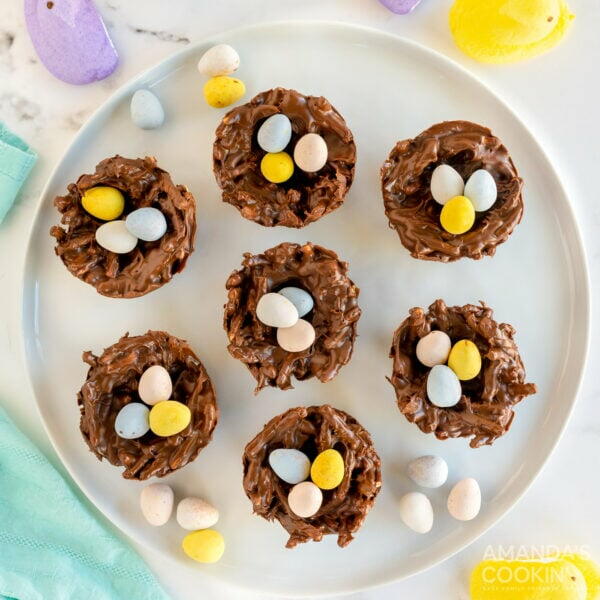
<point x="305" y="499"/>
<point x="169" y="417"/>
<point x="277" y="167"/>
<point x="276" y="310"/>
<point x="416" y="512"/>
<point x="464" y="500"/>
<point x="103" y="202"/>
<point x="446" y="183"/>
<point x="465" y="360"/>
<point x="146" y="110"/>
<point x="327" y="470"/>
<point x="205" y="546"/>
<point x="433" y="349"/>
<point x="458" y="215"/>
<point x="300" y="298"/>
<point x="428" y="471"/>
<point x="443" y="386"/>
<point x="147" y="224"/>
<point x="298" y="337"/>
<point x="156" y="502"/>
<point x="275" y="133"/>
<point x="481" y="190"/>
<point x="132" y="421"/>
<point x="221" y="59"/>
<point x="155" y="385"/>
<point x="195" y="513"/>
<point x="289" y="464"/>
<point x="310" y="152"/>
<point x="115" y="237"/>
<point x="222" y="91"/>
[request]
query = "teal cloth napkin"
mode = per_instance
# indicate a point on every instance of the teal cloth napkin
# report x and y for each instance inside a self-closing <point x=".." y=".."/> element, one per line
<point x="51" y="546"/>
<point x="16" y="161"/>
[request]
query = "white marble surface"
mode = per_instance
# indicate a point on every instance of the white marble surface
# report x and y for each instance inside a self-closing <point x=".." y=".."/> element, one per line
<point x="557" y="95"/>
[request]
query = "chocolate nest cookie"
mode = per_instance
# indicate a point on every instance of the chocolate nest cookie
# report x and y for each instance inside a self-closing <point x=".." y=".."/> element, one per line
<point x="150" y="264"/>
<point x="485" y="410"/>
<point x="334" y="316"/>
<point x="112" y="382"/>
<point x="415" y="215"/>
<point x="313" y="430"/>
<point x="303" y="198"/>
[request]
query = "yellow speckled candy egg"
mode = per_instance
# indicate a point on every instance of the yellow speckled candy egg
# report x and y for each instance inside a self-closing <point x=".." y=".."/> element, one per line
<point x="458" y="215"/>
<point x="222" y="91"/>
<point x="327" y="470"/>
<point x="169" y="417"/>
<point x="103" y="202"/>
<point x="464" y="360"/>
<point x="205" y="546"/>
<point x="277" y="167"/>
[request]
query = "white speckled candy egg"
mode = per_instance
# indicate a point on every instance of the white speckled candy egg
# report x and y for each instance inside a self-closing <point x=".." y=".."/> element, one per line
<point x="146" y="110"/>
<point x="276" y="310"/>
<point x="481" y="190"/>
<point x="275" y="133"/>
<point x="428" y="471"/>
<point x="155" y="385"/>
<point x="195" y="513"/>
<point x="219" y="60"/>
<point x="305" y="499"/>
<point x="156" y="502"/>
<point x="115" y="237"/>
<point x="310" y="152"/>
<point x="464" y="500"/>
<point x="434" y="348"/>
<point x="296" y="338"/>
<point x="132" y="421"/>
<point x="147" y="224"/>
<point x="416" y="512"/>
<point x="289" y="464"/>
<point x="443" y="386"/>
<point x="446" y="183"/>
<point x="300" y="298"/>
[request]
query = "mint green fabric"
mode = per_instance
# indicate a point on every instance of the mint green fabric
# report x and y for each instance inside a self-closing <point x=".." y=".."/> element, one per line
<point x="16" y="161"/>
<point x="51" y="546"/>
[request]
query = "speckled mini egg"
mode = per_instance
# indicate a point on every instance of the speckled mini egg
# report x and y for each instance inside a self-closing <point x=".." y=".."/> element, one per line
<point x="156" y="502"/>
<point x="146" y="110"/>
<point x="481" y="190"/>
<point x="276" y="310"/>
<point x="305" y="499"/>
<point x="310" y="152"/>
<point x="443" y="386"/>
<point x="289" y="464"/>
<point x="428" y="471"/>
<point x="155" y="385"/>
<point x="297" y="338"/>
<point x="464" y="500"/>
<point x="416" y="512"/>
<point x="446" y="183"/>
<point x="147" y="223"/>
<point x="194" y="513"/>
<point x="434" y="348"/>
<point x="132" y="421"/>
<point x="275" y="133"/>
<point x="221" y="59"/>
<point x="300" y="298"/>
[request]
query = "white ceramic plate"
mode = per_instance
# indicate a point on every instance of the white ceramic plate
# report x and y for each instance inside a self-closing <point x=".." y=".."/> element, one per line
<point x="387" y="89"/>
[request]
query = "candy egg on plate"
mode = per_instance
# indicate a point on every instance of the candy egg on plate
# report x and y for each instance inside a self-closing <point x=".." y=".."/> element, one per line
<point x="132" y="421"/>
<point x="416" y="512"/>
<point x="155" y="385"/>
<point x="275" y="133"/>
<point x="156" y="502"/>
<point x="464" y="500"/>
<point x="481" y="190"/>
<point x="195" y="513"/>
<point x="289" y="464"/>
<point x="221" y="59"/>
<point x="443" y="386"/>
<point x="147" y="224"/>
<point x="146" y="110"/>
<point x="205" y="546"/>
<point x="222" y="91"/>
<point x="428" y="471"/>
<point x="446" y="183"/>
<point x="115" y="237"/>
<point x="310" y="152"/>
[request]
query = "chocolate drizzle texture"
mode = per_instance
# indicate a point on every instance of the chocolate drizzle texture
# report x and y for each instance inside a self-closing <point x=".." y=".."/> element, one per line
<point x="150" y="264"/>
<point x="313" y="430"/>
<point x="305" y="197"/>
<point x="485" y="410"/>
<point x="334" y="316"/>
<point x="112" y="382"/>
<point x="415" y="215"/>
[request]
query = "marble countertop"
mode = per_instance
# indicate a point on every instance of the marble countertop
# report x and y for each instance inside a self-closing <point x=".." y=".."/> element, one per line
<point x="556" y="95"/>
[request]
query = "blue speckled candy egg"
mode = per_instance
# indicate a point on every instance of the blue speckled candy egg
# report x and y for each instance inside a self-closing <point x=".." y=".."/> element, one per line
<point x="146" y="110"/>
<point x="132" y="421"/>
<point x="275" y="133"/>
<point x="148" y="223"/>
<point x="300" y="298"/>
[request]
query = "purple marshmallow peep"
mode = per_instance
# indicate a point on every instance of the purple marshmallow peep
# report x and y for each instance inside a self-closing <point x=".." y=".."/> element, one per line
<point x="71" y="39"/>
<point x="401" y="7"/>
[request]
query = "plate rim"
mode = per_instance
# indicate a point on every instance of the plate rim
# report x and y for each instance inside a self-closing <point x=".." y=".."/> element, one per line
<point x="578" y="249"/>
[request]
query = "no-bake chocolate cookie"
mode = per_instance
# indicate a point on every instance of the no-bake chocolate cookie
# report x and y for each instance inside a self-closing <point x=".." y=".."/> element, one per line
<point x="112" y="382"/>
<point x="303" y="198"/>
<point x="485" y="410"/>
<point x="313" y="430"/>
<point x="150" y="264"/>
<point x="334" y="315"/>
<point x="415" y="215"/>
